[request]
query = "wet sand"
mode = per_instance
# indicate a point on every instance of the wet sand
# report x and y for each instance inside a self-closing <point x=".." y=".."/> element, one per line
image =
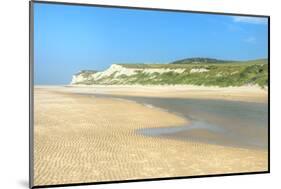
<point x="84" y="138"/>
<point x="233" y="123"/>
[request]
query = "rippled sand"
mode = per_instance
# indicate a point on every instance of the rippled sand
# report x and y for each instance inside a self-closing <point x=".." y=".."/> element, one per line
<point x="79" y="138"/>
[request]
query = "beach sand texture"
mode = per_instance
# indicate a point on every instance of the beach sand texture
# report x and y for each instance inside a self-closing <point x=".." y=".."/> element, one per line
<point x="82" y="138"/>
<point x="243" y="93"/>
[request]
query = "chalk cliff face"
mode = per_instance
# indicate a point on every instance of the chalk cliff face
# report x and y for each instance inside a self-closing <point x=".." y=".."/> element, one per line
<point x="82" y="77"/>
<point x="221" y="74"/>
<point x="118" y="74"/>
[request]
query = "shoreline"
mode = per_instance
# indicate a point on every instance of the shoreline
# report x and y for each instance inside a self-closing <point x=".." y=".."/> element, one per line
<point x="243" y="93"/>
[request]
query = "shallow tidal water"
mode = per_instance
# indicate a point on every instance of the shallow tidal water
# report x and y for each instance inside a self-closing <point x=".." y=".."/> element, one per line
<point x="229" y="123"/>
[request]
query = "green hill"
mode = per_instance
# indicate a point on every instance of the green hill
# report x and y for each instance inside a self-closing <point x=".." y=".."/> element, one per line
<point x="200" y="60"/>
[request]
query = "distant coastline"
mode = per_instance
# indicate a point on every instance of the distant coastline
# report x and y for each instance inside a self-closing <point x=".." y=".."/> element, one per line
<point x="193" y="71"/>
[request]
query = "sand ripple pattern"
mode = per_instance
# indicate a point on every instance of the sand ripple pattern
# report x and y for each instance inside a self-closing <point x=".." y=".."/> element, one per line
<point x="82" y="138"/>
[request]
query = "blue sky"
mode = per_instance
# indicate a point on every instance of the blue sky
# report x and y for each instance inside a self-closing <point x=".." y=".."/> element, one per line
<point x="68" y="39"/>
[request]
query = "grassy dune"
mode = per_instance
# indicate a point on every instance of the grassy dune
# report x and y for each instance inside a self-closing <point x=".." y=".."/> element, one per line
<point x="218" y="75"/>
<point x="223" y="75"/>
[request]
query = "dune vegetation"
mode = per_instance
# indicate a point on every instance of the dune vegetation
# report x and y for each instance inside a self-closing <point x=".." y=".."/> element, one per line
<point x="196" y="71"/>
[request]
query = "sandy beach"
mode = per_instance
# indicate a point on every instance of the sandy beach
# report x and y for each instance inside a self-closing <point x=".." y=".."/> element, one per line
<point x="80" y="137"/>
<point x="244" y="93"/>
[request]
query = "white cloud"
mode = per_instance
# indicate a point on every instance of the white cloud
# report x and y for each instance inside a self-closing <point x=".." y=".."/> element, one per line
<point x="250" y="20"/>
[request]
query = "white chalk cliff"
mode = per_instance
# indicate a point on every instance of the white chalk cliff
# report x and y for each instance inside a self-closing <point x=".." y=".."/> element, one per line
<point x="116" y="74"/>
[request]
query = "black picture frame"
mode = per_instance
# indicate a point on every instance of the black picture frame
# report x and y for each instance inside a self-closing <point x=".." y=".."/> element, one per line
<point x="31" y="92"/>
